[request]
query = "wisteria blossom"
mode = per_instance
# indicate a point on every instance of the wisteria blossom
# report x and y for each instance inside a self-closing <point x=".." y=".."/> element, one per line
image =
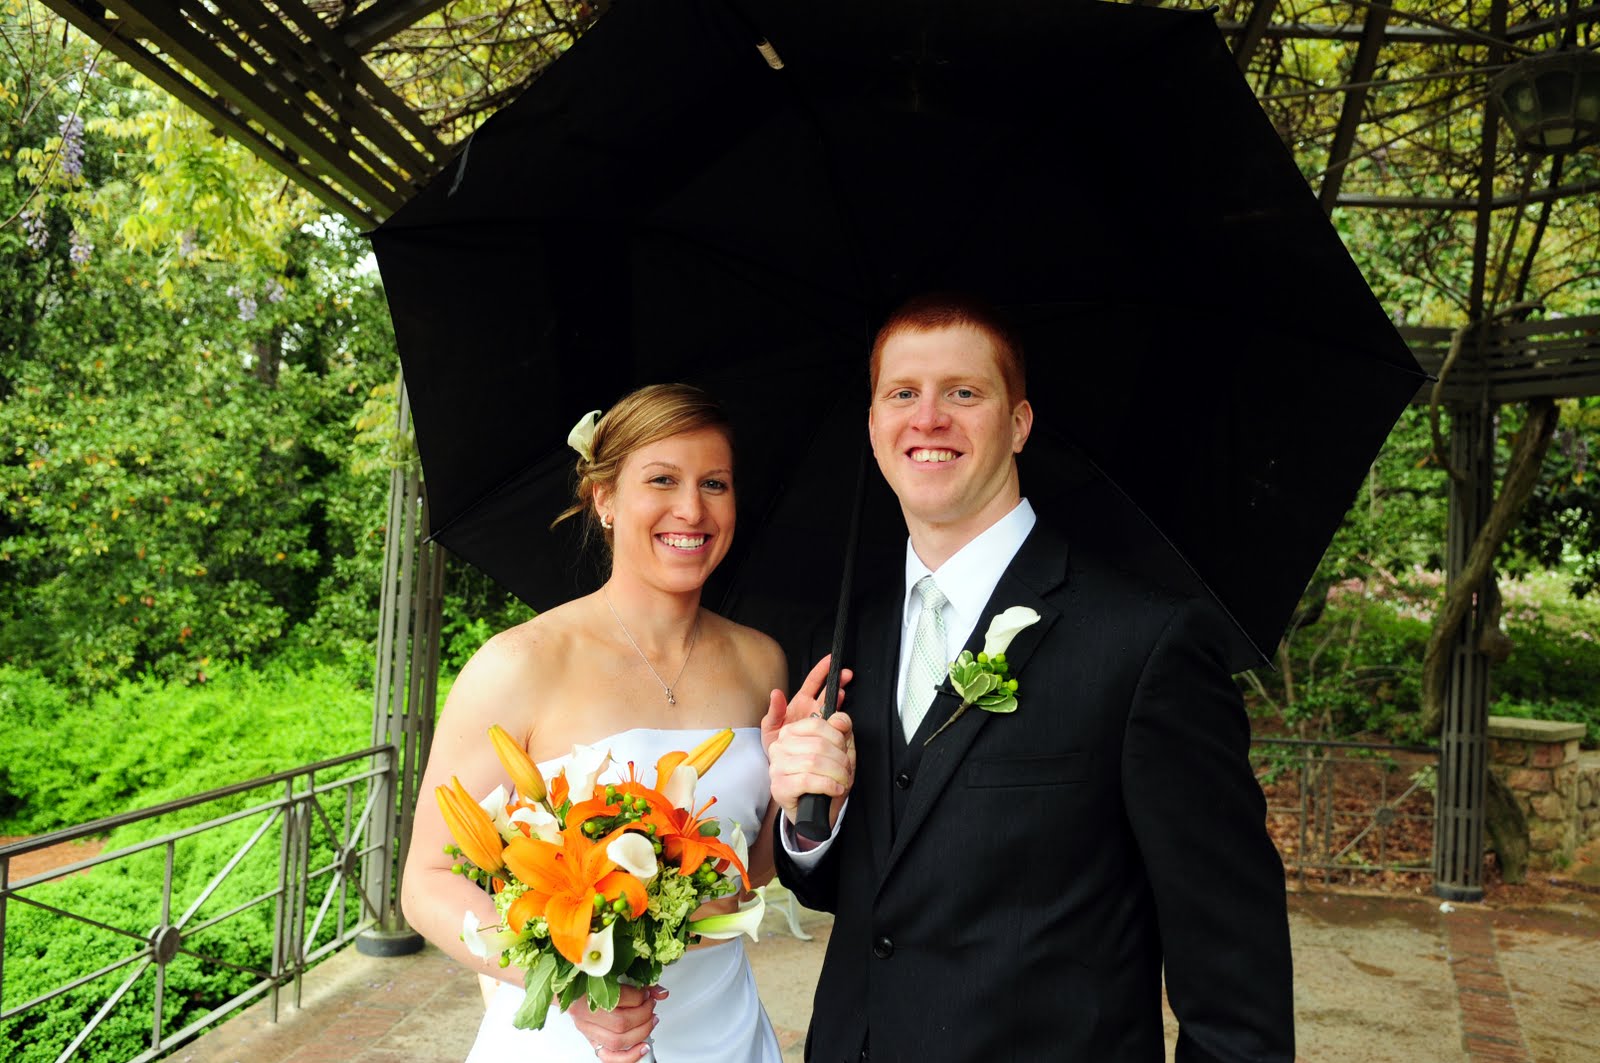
<point x="81" y="248"/>
<point x="35" y="228"/>
<point x="71" y="145"/>
<point x="247" y="303"/>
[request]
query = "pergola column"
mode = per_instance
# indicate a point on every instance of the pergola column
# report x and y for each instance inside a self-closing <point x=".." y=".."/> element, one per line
<point x="1463" y="737"/>
<point x="405" y="690"/>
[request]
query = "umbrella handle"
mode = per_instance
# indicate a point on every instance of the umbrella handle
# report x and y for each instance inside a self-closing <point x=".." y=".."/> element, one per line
<point x="812" y="810"/>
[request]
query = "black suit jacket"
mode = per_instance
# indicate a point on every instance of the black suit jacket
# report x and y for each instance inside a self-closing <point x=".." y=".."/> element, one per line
<point x="1047" y="863"/>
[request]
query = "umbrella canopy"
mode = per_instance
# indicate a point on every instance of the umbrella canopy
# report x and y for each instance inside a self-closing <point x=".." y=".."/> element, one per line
<point x="1211" y="375"/>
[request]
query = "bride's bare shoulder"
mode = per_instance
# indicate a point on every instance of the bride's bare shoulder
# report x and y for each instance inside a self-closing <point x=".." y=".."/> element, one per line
<point x="541" y="646"/>
<point x="758" y="653"/>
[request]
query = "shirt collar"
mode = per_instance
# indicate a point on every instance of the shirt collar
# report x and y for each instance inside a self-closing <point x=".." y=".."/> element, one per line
<point x="969" y="576"/>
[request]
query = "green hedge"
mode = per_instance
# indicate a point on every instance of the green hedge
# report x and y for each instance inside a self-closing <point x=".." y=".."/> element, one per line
<point x="66" y="760"/>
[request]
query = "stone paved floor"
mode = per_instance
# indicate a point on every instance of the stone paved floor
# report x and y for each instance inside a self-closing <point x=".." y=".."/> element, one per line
<point x="1377" y="979"/>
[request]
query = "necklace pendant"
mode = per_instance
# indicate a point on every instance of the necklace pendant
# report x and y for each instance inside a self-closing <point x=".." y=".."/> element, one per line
<point x="670" y="699"/>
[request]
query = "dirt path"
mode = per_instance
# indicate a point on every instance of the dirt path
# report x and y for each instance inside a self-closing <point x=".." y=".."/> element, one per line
<point x="42" y="860"/>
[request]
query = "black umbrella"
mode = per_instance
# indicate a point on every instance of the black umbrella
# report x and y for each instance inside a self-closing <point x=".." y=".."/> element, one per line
<point x="734" y="192"/>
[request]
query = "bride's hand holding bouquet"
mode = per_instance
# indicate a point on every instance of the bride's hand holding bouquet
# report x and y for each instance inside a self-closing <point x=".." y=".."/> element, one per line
<point x="595" y="883"/>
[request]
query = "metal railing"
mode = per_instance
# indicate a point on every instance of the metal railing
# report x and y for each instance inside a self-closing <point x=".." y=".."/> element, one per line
<point x="324" y="818"/>
<point x="1340" y="811"/>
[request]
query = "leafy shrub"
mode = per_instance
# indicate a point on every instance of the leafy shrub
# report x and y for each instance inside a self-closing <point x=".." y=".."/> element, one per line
<point x="1586" y="712"/>
<point x="76" y="759"/>
<point x="67" y="759"/>
<point x="1356" y="671"/>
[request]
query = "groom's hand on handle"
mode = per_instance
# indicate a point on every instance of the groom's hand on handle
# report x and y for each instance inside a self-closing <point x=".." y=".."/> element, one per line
<point x="807" y="754"/>
<point x="618" y="1036"/>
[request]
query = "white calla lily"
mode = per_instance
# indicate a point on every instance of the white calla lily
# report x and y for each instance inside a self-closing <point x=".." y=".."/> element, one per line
<point x="747" y="920"/>
<point x="598" y="952"/>
<point x="679" y="787"/>
<point x="1004" y="628"/>
<point x="584" y="768"/>
<point x="634" y="854"/>
<point x="495" y="805"/>
<point x="486" y="943"/>
<point x="541" y="824"/>
<point x="581" y="438"/>
<point x="738" y="843"/>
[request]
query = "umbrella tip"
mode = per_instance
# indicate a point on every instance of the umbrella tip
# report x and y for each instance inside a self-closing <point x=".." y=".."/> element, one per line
<point x="770" y="54"/>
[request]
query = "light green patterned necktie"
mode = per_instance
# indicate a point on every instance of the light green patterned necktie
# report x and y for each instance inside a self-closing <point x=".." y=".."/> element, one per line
<point x="928" y="665"/>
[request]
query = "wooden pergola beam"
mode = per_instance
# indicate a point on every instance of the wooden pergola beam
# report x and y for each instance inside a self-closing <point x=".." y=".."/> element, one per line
<point x="114" y="36"/>
<point x="1410" y="34"/>
<point x="1496" y="203"/>
<point x="1355" y="101"/>
<point x="1252" y="30"/>
<point x="265" y="96"/>
<point x="383" y="20"/>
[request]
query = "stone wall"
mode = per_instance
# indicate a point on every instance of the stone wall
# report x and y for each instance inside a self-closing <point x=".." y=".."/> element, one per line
<point x="1588" y="809"/>
<point x="1557" y="785"/>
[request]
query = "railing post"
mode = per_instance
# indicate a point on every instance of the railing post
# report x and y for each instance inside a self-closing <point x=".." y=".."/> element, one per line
<point x="1463" y="737"/>
<point x="405" y="689"/>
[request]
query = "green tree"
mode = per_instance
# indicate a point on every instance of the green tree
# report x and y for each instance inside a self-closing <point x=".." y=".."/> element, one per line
<point x="185" y="344"/>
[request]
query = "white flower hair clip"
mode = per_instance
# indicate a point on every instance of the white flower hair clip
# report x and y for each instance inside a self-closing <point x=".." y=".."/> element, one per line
<point x="581" y="438"/>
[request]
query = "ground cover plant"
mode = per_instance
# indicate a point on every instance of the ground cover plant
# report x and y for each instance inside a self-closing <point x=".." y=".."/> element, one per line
<point x="67" y="759"/>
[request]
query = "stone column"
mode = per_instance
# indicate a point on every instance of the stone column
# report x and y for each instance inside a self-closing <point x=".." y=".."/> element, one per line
<point x="1538" y="760"/>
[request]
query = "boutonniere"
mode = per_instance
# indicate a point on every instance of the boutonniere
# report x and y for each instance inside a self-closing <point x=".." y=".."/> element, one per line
<point x="985" y="680"/>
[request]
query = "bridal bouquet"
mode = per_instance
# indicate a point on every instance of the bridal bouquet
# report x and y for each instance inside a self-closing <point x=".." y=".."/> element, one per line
<point x="595" y="882"/>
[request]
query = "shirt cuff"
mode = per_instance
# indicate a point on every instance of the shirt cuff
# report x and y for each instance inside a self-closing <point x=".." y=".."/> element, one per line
<point x="806" y="859"/>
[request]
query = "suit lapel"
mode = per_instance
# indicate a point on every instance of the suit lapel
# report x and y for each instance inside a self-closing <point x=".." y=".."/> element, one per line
<point x="1039" y="567"/>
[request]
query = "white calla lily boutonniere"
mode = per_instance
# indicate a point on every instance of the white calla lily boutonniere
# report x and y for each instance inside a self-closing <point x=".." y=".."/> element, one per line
<point x="985" y="680"/>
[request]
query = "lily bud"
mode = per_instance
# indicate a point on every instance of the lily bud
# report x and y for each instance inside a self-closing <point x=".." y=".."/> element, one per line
<point x="667" y="765"/>
<point x="523" y="771"/>
<point x="471" y="827"/>
<point x="707" y="753"/>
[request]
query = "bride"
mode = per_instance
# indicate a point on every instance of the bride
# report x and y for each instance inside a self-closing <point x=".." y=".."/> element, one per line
<point x="639" y="668"/>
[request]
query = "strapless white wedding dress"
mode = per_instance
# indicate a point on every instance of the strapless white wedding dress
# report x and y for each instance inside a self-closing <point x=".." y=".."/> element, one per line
<point x="712" y="1013"/>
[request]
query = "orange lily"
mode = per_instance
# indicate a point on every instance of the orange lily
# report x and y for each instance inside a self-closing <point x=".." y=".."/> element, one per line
<point x="707" y="753"/>
<point x="562" y="881"/>
<point x="471" y="826"/>
<point x="583" y="811"/>
<point x="700" y="758"/>
<point x="681" y="841"/>
<point x="558" y="789"/>
<point x="523" y="771"/>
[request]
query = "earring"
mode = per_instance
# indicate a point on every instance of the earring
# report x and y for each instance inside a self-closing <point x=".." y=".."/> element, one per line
<point x="605" y="522"/>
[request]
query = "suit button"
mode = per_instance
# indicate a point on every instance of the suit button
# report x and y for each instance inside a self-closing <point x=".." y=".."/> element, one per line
<point x="903" y="781"/>
<point x="883" y="948"/>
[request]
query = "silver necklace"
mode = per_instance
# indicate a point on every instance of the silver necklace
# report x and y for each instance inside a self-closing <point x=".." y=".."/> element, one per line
<point x="666" y="687"/>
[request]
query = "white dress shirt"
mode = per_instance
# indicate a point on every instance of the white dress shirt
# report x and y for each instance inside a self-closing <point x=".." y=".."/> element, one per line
<point x="967" y="578"/>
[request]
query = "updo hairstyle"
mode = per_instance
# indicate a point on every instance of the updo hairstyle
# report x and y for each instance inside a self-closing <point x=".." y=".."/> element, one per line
<point x="642" y="417"/>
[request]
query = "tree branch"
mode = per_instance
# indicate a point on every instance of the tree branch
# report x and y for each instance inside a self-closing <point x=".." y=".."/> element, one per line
<point x="1522" y="475"/>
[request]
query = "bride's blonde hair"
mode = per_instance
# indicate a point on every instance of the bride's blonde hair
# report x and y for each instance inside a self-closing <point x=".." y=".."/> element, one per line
<point x="642" y="417"/>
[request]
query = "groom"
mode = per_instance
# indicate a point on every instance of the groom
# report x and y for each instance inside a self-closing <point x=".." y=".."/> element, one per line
<point x="1013" y="887"/>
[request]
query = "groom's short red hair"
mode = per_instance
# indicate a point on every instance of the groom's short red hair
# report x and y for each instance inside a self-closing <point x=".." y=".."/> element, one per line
<point x="941" y="310"/>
